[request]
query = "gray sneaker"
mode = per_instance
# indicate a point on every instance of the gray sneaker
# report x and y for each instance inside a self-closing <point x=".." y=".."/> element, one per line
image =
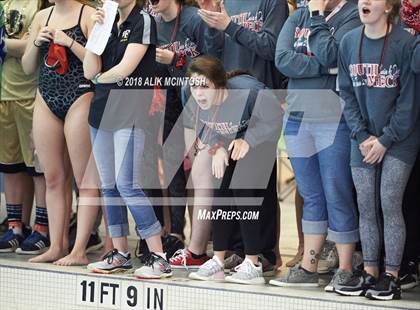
<point x="341" y="276"/>
<point x="297" y="277"/>
<point x="328" y="259"/>
<point x="247" y="273"/>
<point x="211" y="270"/>
<point x="269" y="270"/>
<point x="232" y="261"/>
<point x="155" y="267"/>
<point x="113" y="262"/>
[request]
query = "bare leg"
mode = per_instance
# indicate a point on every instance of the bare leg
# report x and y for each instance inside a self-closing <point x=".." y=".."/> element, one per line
<point x="299" y="215"/>
<point x="28" y="198"/>
<point x="78" y="143"/>
<point x="202" y="180"/>
<point x="345" y="254"/>
<point x="14" y="189"/>
<point x="313" y="246"/>
<point x="49" y="141"/>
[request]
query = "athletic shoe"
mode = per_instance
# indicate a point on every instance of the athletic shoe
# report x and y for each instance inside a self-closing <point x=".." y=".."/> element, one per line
<point x="232" y="261"/>
<point x="155" y="267"/>
<point x="113" y="262"/>
<point x="247" y="273"/>
<point x="408" y="279"/>
<point x="183" y="259"/>
<point x="357" y="285"/>
<point x="10" y="241"/>
<point x="328" y="260"/>
<point x="341" y="276"/>
<point x="297" y="277"/>
<point x="95" y="243"/>
<point x="36" y="243"/>
<point x="211" y="270"/>
<point x="171" y="245"/>
<point x="269" y="270"/>
<point x="387" y="288"/>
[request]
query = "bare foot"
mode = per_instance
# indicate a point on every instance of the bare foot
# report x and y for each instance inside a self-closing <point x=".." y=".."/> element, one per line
<point x="73" y="259"/>
<point x="48" y="257"/>
<point x="298" y="257"/>
<point x="279" y="263"/>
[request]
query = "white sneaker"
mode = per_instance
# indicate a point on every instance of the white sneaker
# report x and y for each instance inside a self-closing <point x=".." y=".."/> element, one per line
<point x="247" y="273"/>
<point x="211" y="270"/>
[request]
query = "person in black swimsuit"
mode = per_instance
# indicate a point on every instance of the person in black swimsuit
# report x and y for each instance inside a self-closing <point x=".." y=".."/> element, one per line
<point x="61" y="91"/>
<point x="60" y="127"/>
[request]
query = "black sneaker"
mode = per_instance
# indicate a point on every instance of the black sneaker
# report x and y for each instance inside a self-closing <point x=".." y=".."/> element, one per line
<point x="142" y="250"/>
<point x="171" y="244"/>
<point x="387" y="288"/>
<point x="408" y="281"/>
<point x="357" y="285"/>
<point x="95" y="243"/>
<point x="408" y="276"/>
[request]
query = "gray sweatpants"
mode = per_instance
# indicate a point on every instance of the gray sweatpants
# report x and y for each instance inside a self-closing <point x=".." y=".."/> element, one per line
<point x="393" y="180"/>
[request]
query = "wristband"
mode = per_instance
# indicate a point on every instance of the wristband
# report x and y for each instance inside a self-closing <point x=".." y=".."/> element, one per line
<point x="71" y="45"/>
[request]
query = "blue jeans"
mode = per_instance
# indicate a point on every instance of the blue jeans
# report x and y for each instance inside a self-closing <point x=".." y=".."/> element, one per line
<point x="118" y="157"/>
<point x="320" y="156"/>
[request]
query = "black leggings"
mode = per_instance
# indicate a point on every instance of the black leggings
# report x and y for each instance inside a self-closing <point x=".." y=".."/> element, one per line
<point x="255" y="169"/>
<point x="411" y="211"/>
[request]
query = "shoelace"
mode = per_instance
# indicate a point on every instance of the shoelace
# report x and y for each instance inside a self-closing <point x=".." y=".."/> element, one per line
<point x="245" y="266"/>
<point x="109" y="257"/>
<point x="210" y="265"/>
<point x="181" y="255"/>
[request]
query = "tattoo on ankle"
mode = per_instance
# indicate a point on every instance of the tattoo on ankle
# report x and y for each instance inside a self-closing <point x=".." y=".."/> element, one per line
<point x="314" y="257"/>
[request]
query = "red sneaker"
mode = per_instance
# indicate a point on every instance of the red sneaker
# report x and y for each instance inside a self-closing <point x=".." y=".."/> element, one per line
<point x="183" y="259"/>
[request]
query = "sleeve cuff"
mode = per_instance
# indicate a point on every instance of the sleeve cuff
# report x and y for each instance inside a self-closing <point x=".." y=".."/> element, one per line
<point x="385" y="141"/>
<point x="362" y="136"/>
<point x="232" y="28"/>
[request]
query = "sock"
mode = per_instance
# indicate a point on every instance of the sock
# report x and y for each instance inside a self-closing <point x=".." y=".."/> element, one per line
<point x="221" y="264"/>
<point x="195" y="256"/>
<point x="41" y="221"/>
<point x="306" y="271"/>
<point x="125" y="254"/>
<point x="14" y="217"/>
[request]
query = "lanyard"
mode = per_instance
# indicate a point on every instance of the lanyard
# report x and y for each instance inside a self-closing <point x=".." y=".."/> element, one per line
<point x="336" y="10"/>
